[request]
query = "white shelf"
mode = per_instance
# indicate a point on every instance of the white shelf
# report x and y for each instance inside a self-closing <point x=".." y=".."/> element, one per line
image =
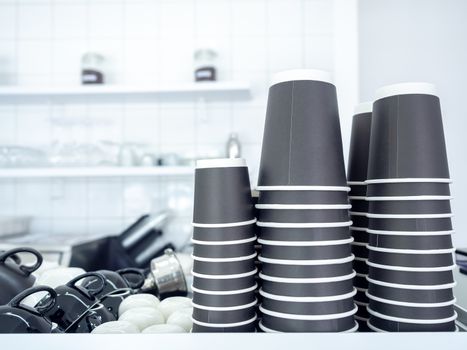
<point x="25" y="173"/>
<point x="217" y="90"/>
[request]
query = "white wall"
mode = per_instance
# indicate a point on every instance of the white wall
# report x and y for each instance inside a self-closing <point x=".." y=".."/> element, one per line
<point x="145" y="41"/>
<point x="422" y="40"/>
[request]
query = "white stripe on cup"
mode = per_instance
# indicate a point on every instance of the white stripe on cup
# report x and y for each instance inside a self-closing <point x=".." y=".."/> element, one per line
<point x="407" y="180"/>
<point x="357" y="258"/>
<point x="360" y="289"/>
<point x="224" y="277"/>
<point x="362" y="275"/>
<point x="411" y="269"/>
<point x="357" y="198"/>
<point x="238" y="241"/>
<point x="224" y="308"/>
<point x="304" y="188"/>
<point x="224" y="325"/>
<point x="307" y="280"/>
<point x="224" y="292"/>
<point x="373" y="328"/>
<point x="356" y="228"/>
<point x="409" y="216"/>
<point x="306" y="262"/>
<point x="220" y="163"/>
<point x="304" y="225"/>
<point x="228" y="224"/>
<point x="360" y="303"/>
<point x="407" y="198"/>
<point x="410" y="233"/>
<point x="404" y="303"/>
<point x="412" y="286"/>
<point x="308" y="317"/>
<point x="305" y="243"/>
<point x="356" y="183"/>
<point x="303" y="206"/>
<point x="411" y="320"/>
<point x="357" y="213"/>
<point x="411" y="251"/>
<point x="238" y="258"/>
<point x="360" y="318"/>
<point x="360" y="244"/>
<point x="293" y="299"/>
<point x="269" y="330"/>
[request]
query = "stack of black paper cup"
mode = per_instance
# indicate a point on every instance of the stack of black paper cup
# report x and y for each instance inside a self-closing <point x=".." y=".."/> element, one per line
<point x="410" y="249"/>
<point x="306" y="258"/>
<point x="224" y="254"/>
<point x="356" y="174"/>
<point x="255" y="196"/>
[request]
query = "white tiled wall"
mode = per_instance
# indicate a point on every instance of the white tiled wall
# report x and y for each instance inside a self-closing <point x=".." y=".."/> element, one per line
<point x="144" y="41"/>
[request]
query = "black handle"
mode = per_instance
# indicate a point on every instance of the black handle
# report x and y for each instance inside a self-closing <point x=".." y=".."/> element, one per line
<point x="16" y="301"/>
<point x="133" y="271"/>
<point x="91" y="291"/>
<point x="26" y="269"/>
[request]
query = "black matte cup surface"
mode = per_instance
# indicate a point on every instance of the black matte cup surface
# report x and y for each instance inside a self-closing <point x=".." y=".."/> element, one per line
<point x="224" y="233"/>
<point x="224" y="300"/>
<point x="392" y="326"/>
<point x="304" y="233"/>
<point x="224" y="251"/>
<point x="360" y="251"/>
<point x="224" y="283"/>
<point x="222" y="195"/>
<point x="408" y="189"/>
<point x="357" y="190"/>
<point x="360" y="282"/>
<point x="306" y="252"/>
<point x="308" y="289"/>
<point x="361" y="297"/>
<point x="359" y="205"/>
<point x="360" y="266"/>
<point x="431" y="224"/>
<point x="309" y="308"/>
<point x="411" y="295"/>
<point x="231" y="316"/>
<point x="423" y="313"/>
<point x="411" y="277"/>
<point x="359" y="220"/>
<point x="410" y="207"/>
<point x="416" y="241"/>
<point x="411" y="260"/>
<point x="407" y="138"/>
<point x="307" y="271"/>
<point x="303" y="197"/>
<point x="359" y="147"/>
<point x="289" y="325"/>
<point x="302" y="142"/>
<point x="362" y="310"/>
<point x="223" y="268"/>
<point x="303" y="215"/>
<point x="359" y="235"/>
<point x="248" y="328"/>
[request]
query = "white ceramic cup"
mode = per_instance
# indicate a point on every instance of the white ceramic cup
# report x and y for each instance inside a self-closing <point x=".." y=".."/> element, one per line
<point x="182" y="318"/>
<point x="143" y="317"/>
<point x="163" y="328"/>
<point x="116" y="327"/>
<point x="170" y="305"/>
<point x="138" y="300"/>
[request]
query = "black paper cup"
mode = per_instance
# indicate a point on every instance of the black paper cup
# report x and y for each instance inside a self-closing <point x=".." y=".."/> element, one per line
<point x="308" y="271"/>
<point x="404" y="189"/>
<point x="305" y="215"/>
<point x="314" y="250"/>
<point x="381" y="325"/>
<point x="359" y="205"/>
<point x="225" y="250"/>
<point x="304" y="234"/>
<point x="413" y="241"/>
<point x="411" y="277"/>
<point x="308" y="308"/>
<point x="360" y="142"/>
<point x="360" y="265"/>
<point x="263" y="328"/>
<point x="218" y="234"/>
<point x="410" y="260"/>
<point x="360" y="250"/>
<point x="303" y="197"/>
<point x="231" y="316"/>
<point x="357" y="190"/>
<point x="359" y="219"/>
<point x="360" y="281"/>
<point x="362" y="309"/>
<point x="410" y="207"/>
<point x="235" y="298"/>
<point x="425" y="224"/>
<point x="407" y="138"/>
<point x="361" y="297"/>
<point x="362" y="324"/>
<point x="215" y="283"/>
<point x="405" y="311"/>
<point x="302" y="142"/>
<point x="224" y="268"/>
<point x="244" y="327"/>
<point x="359" y="234"/>
<point x="222" y="192"/>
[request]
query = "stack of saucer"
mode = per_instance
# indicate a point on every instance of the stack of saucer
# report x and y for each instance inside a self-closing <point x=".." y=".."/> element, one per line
<point x="410" y="249"/>
<point x="223" y="248"/>
<point x="306" y="259"/>
<point x="356" y="174"/>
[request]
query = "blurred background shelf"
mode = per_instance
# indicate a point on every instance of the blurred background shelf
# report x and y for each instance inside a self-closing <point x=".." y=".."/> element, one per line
<point x="83" y="172"/>
<point x="209" y="90"/>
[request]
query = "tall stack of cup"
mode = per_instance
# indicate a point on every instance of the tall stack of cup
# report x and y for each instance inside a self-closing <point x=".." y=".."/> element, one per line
<point x="306" y="259"/>
<point x="356" y="175"/>
<point x="410" y="249"/>
<point x="223" y="248"/>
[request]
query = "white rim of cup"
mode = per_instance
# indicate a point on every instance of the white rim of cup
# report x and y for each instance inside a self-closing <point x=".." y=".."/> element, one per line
<point x="228" y="224"/>
<point x="238" y="258"/>
<point x="406" y="88"/>
<point x="307" y="262"/>
<point x="410" y="251"/>
<point x="301" y="74"/>
<point x="407" y="198"/>
<point x="238" y="241"/>
<point x="307" y="280"/>
<point x="225" y="277"/>
<point x="363" y="107"/>
<point x="269" y="330"/>
<point x="360" y="244"/>
<point x="304" y="224"/>
<point x="356" y="228"/>
<point x="292" y="299"/>
<point x="225" y="292"/>
<point x="360" y="289"/>
<point x="356" y="183"/>
<point x="357" y="213"/>
<point x="360" y="303"/>
<point x="358" y="258"/>
<point x="373" y="328"/>
<point x="360" y="318"/>
<point x="305" y="243"/>
<point x="412" y="320"/>
<point x="304" y="188"/>
<point x="224" y="308"/>
<point x="362" y="275"/>
<point x="411" y="269"/>
<point x="220" y="163"/>
<point x="407" y="180"/>
<point x="357" y="198"/>
<point x="404" y="303"/>
<point x="410" y="233"/>
<point x="412" y="286"/>
<point x="409" y="216"/>
<point x="224" y="325"/>
<point x="308" y="317"/>
<point x="303" y="206"/>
